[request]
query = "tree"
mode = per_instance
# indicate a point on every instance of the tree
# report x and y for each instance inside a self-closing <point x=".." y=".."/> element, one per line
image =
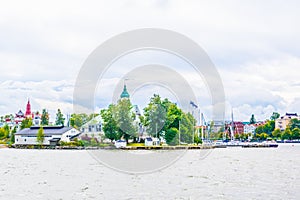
<point x="77" y="120"/>
<point x="187" y="131"/>
<point x="4" y="133"/>
<point x="266" y="128"/>
<point x="125" y="119"/>
<point x="294" y="123"/>
<point x="171" y="136"/>
<point x="262" y="136"/>
<point x="45" y="118"/>
<point x="287" y="134"/>
<point x="110" y="126"/>
<point x="276" y="133"/>
<point x="155" y="116"/>
<point x="40" y="136"/>
<point x="12" y="135"/>
<point x="60" y="120"/>
<point x="252" y="119"/>
<point x="275" y="116"/>
<point x="26" y="123"/>
<point x="296" y="133"/>
<point x="174" y="115"/>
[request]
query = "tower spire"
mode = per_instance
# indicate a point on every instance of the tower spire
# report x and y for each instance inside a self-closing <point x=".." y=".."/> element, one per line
<point x="28" y="109"/>
<point x="125" y="93"/>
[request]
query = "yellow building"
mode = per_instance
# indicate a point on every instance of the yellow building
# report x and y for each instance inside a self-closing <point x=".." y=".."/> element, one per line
<point x="282" y="122"/>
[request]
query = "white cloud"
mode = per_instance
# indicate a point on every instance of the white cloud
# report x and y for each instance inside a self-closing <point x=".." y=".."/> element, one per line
<point x="255" y="45"/>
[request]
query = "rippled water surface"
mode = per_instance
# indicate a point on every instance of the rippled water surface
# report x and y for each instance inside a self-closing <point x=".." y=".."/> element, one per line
<point x="232" y="173"/>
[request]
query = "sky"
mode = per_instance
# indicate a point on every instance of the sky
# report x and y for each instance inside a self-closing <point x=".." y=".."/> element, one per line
<point x="254" y="45"/>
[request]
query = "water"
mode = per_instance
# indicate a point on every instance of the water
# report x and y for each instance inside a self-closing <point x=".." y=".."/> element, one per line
<point x="232" y="173"/>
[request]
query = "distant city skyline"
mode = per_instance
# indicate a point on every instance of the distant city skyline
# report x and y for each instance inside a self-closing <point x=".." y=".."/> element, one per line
<point x="254" y="45"/>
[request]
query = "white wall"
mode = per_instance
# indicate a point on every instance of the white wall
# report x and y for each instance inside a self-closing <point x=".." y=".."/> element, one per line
<point x="66" y="136"/>
<point x="31" y="140"/>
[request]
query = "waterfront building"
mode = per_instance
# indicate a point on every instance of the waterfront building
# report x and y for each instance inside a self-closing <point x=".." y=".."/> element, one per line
<point x="92" y="129"/>
<point x="19" y="117"/>
<point x="282" y="122"/>
<point x="37" y="119"/>
<point x="53" y="134"/>
<point x="218" y="126"/>
<point x="250" y="128"/>
<point x="238" y="127"/>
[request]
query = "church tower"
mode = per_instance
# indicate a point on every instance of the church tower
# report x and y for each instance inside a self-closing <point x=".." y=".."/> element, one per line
<point x="125" y="94"/>
<point x="28" y="113"/>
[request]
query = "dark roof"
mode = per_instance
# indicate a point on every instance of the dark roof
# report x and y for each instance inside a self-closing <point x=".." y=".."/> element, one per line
<point x="20" y="113"/>
<point x="48" y="130"/>
<point x="54" y="140"/>
<point x="291" y="114"/>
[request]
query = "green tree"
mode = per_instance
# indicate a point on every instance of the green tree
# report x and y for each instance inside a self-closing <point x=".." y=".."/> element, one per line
<point x="296" y="133"/>
<point x="26" y="123"/>
<point x="171" y="136"/>
<point x="187" y="130"/>
<point x="110" y="126"/>
<point x="198" y="140"/>
<point x="6" y="131"/>
<point x="155" y="116"/>
<point x="45" y="118"/>
<point x="262" y="136"/>
<point x="174" y="115"/>
<point x="12" y="135"/>
<point x="266" y="128"/>
<point x="287" y="134"/>
<point x="40" y="136"/>
<point x="3" y="133"/>
<point x="276" y="133"/>
<point x="77" y="120"/>
<point x="252" y="119"/>
<point x="275" y="116"/>
<point x="294" y="123"/>
<point x="125" y="119"/>
<point x="60" y="120"/>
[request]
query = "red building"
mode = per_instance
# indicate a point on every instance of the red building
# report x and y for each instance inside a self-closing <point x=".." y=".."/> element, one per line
<point x="238" y="127"/>
<point x="20" y="116"/>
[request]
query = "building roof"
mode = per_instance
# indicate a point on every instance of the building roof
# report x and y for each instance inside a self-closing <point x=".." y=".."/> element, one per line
<point x="20" y="113"/>
<point x="48" y="130"/>
<point x="125" y="94"/>
<point x="291" y="114"/>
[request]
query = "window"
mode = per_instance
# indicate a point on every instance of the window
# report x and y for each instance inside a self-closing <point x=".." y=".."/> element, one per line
<point x="98" y="128"/>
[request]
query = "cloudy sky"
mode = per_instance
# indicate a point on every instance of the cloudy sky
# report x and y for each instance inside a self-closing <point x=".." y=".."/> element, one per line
<point x="255" y="45"/>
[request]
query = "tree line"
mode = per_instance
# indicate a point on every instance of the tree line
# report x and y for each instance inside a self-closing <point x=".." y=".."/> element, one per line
<point x="161" y="119"/>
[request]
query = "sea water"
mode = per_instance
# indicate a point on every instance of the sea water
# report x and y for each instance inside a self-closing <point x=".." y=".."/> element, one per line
<point x="231" y="173"/>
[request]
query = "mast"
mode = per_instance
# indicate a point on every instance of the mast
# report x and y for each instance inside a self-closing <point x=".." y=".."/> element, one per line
<point x="232" y="127"/>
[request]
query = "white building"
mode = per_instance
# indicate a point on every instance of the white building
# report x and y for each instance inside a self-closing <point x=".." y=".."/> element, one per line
<point x="249" y="128"/>
<point x="149" y="141"/>
<point x="53" y="134"/>
<point x="92" y="129"/>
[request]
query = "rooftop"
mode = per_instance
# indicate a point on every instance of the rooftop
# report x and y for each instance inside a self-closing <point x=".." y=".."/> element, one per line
<point x="48" y="130"/>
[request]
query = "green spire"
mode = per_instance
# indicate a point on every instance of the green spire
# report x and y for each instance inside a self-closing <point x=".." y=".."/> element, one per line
<point x="125" y="94"/>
